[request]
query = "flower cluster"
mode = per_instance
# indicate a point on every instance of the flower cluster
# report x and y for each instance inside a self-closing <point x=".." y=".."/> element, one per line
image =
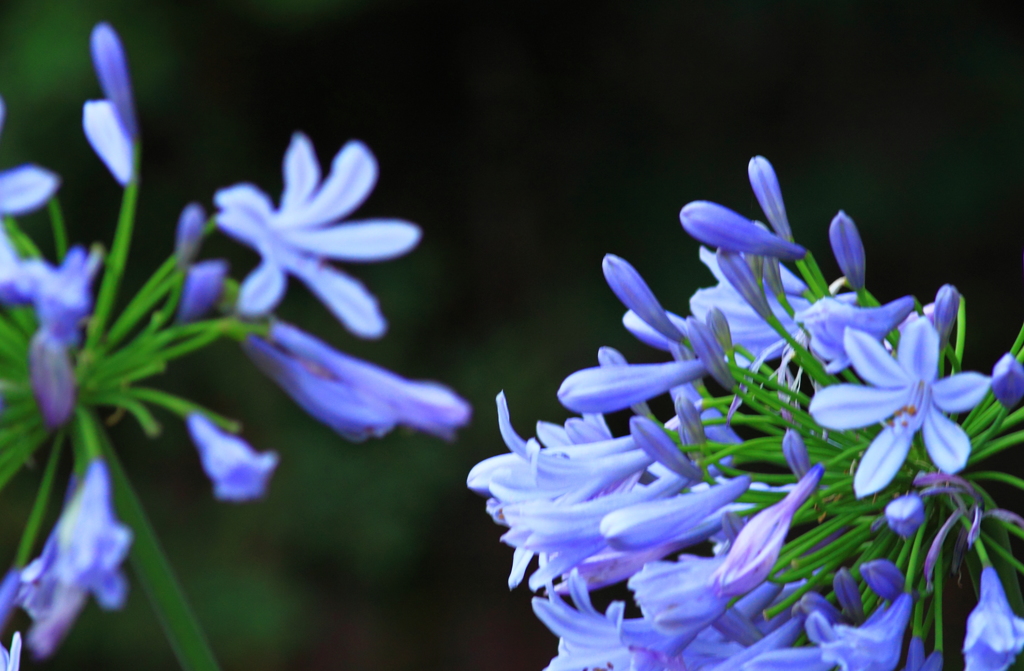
<point x="813" y="491"/>
<point x="67" y="356"/>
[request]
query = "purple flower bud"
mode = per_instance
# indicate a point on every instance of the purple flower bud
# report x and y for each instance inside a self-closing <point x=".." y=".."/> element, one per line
<point x="772" y="275"/>
<point x="238" y="472"/>
<point x="634" y="293"/>
<point x="995" y="636"/>
<point x="1008" y="380"/>
<point x="611" y="388"/>
<point x="738" y="274"/>
<point x="709" y="351"/>
<point x="757" y="547"/>
<point x="53" y="379"/>
<point x="905" y="514"/>
<point x="883" y="578"/>
<point x="848" y="249"/>
<point x="718" y="226"/>
<point x="189" y="234"/>
<point x="795" y="451"/>
<point x="848" y="595"/>
<point x="769" y="196"/>
<point x="112" y="70"/>
<point x="719" y="325"/>
<point x="812" y="601"/>
<point x="653" y="440"/>
<point x="947" y="304"/>
<point x="203" y="286"/>
<point x="691" y="428"/>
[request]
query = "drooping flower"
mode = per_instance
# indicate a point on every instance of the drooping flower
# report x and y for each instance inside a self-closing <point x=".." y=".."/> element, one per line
<point x="827" y="320"/>
<point x="82" y="556"/>
<point x="906" y="394"/>
<point x="995" y="636"/>
<point x="110" y="124"/>
<point x="355" y="398"/>
<point x="905" y="514"/>
<point x="306" y="230"/>
<point x="26" y="188"/>
<point x="238" y="472"/>
<point x="876" y="645"/>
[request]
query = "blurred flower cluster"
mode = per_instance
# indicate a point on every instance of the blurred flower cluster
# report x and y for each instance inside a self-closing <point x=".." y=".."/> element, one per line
<point x="817" y="485"/>
<point x="67" y="356"/>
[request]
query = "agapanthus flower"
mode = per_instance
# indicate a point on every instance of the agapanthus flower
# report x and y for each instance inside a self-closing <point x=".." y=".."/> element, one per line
<point x="995" y="636"/>
<point x="110" y="124"/>
<point x="82" y="556"/>
<point x="905" y="514"/>
<point x="306" y="230"/>
<point x="355" y="398"/>
<point x="876" y="645"/>
<point x="1008" y="380"/>
<point x="827" y="320"/>
<point x="907" y="395"/>
<point x="238" y="472"/>
<point x="718" y="226"/>
<point x="26" y="188"/>
<point x="848" y="249"/>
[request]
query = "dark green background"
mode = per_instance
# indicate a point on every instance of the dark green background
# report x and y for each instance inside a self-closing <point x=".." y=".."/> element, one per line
<point x="528" y="138"/>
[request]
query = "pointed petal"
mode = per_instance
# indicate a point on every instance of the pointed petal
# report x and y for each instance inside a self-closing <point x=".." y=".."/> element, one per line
<point x="881" y="461"/>
<point x="960" y="392"/>
<point x="352" y="177"/>
<point x="947" y="444"/>
<point x="262" y="290"/>
<point x="852" y="406"/>
<point x="611" y="388"/>
<point x="108" y="138"/>
<point x="244" y="213"/>
<point x="872" y="362"/>
<point x="346" y="297"/>
<point x="919" y="350"/>
<point x="301" y="172"/>
<point x="25" y="189"/>
<point x="362" y="241"/>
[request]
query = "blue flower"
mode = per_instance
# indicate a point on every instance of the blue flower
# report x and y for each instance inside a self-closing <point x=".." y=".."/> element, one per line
<point x="238" y="472"/>
<point x="1008" y="380"/>
<point x="874" y="646"/>
<point x="827" y="321"/>
<point x="906" y="394"/>
<point x="110" y="124"/>
<point x="610" y="388"/>
<point x="995" y="636"/>
<point x="769" y="196"/>
<point x="83" y="555"/>
<point x="884" y="578"/>
<point x="905" y="514"/>
<point x="26" y="188"/>
<point x="204" y="283"/>
<point x="355" y="398"/>
<point x="718" y="226"/>
<point x="303" y="233"/>
<point x="848" y="249"/>
<point x="676" y="596"/>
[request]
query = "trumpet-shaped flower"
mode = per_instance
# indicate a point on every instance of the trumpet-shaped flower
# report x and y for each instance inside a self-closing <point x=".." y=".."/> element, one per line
<point x="904" y="393"/>
<point x="238" y="472"/>
<point x="26" y="188"/>
<point x="305" y="231"/>
<point x="995" y="636"/>
<point x="874" y="646"/>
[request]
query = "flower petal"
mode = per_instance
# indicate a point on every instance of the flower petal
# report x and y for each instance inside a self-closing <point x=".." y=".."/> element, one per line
<point x="352" y="177"/>
<point x="947" y="444"/>
<point x="362" y="241"/>
<point x="108" y="138"/>
<point x="262" y="290"/>
<point x="960" y="392"/>
<point x="301" y="172"/>
<point x="345" y="296"/>
<point x="919" y="350"/>
<point x="872" y="362"/>
<point x="611" y="388"/>
<point x="25" y="189"/>
<point x="881" y="461"/>
<point x="852" y="406"/>
<point x="244" y="213"/>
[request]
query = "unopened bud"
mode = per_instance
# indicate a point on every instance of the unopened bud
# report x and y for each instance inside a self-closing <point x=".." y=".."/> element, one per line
<point x="795" y="451"/>
<point x="1008" y="380"/>
<point x="848" y="249"/>
<point x="947" y="304"/>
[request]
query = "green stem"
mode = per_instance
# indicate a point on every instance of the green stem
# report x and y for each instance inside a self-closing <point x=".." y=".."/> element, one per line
<point x="155" y="288"/>
<point x="60" y="233"/>
<point x="35" y="518"/>
<point x="940" y="579"/>
<point x="961" y="329"/>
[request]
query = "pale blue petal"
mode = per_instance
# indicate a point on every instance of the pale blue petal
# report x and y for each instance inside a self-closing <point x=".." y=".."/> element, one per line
<point x="111" y="66"/>
<point x="872" y="362"/>
<point x="611" y="388"/>
<point x="25" y="189"/>
<point x="881" y="461"/>
<point x="108" y="138"/>
<point x="960" y="392"/>
<point x="947" y="444"/>
<point x="362" y="241"/>
<point x="15" y="660"/>
<point x="919" y="350"/>
<point x="244" y="213"/>
<point x="852" y="406"/>
<point x="237" y="471"/>
<point x="351" y="302"/>
<point x="301" y="172"/>
<point x="352" y="177"/>
<point x="262" y="290"/>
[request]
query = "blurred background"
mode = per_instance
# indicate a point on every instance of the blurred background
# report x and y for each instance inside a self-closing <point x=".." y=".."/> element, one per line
<point x="528" y="139"/>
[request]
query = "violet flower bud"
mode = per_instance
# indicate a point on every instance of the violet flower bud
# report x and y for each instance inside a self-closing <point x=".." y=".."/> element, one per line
<point x="203" y="287"/>
<point x="709" y="351"/>
<point x="53" y="379"/>
<point x="1008" y="381"/>
<point x="634" y="293"/>
<point x="848" y="249"/>
<point x="653" y="440"/>
<point x="691" y="428"/>
<point x="995" y="636"/>
<point x="189" y="234"/>
<point x="884" y="578"/>
<point x="769" y="195"/>
<point x="848" y="595"/>
<point x="905" y="514"/>
<point x="610" y="388"/>
<point x="111" y="66"/>
<point x="238" y="472"/>
<point x="719" y="325"/>
<point x="812" y="601"/>
<point x="718" y="226"/>
<point x="947" y="305"/>
<point x="737" y="272"/>
<point x="795" y="451"/>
